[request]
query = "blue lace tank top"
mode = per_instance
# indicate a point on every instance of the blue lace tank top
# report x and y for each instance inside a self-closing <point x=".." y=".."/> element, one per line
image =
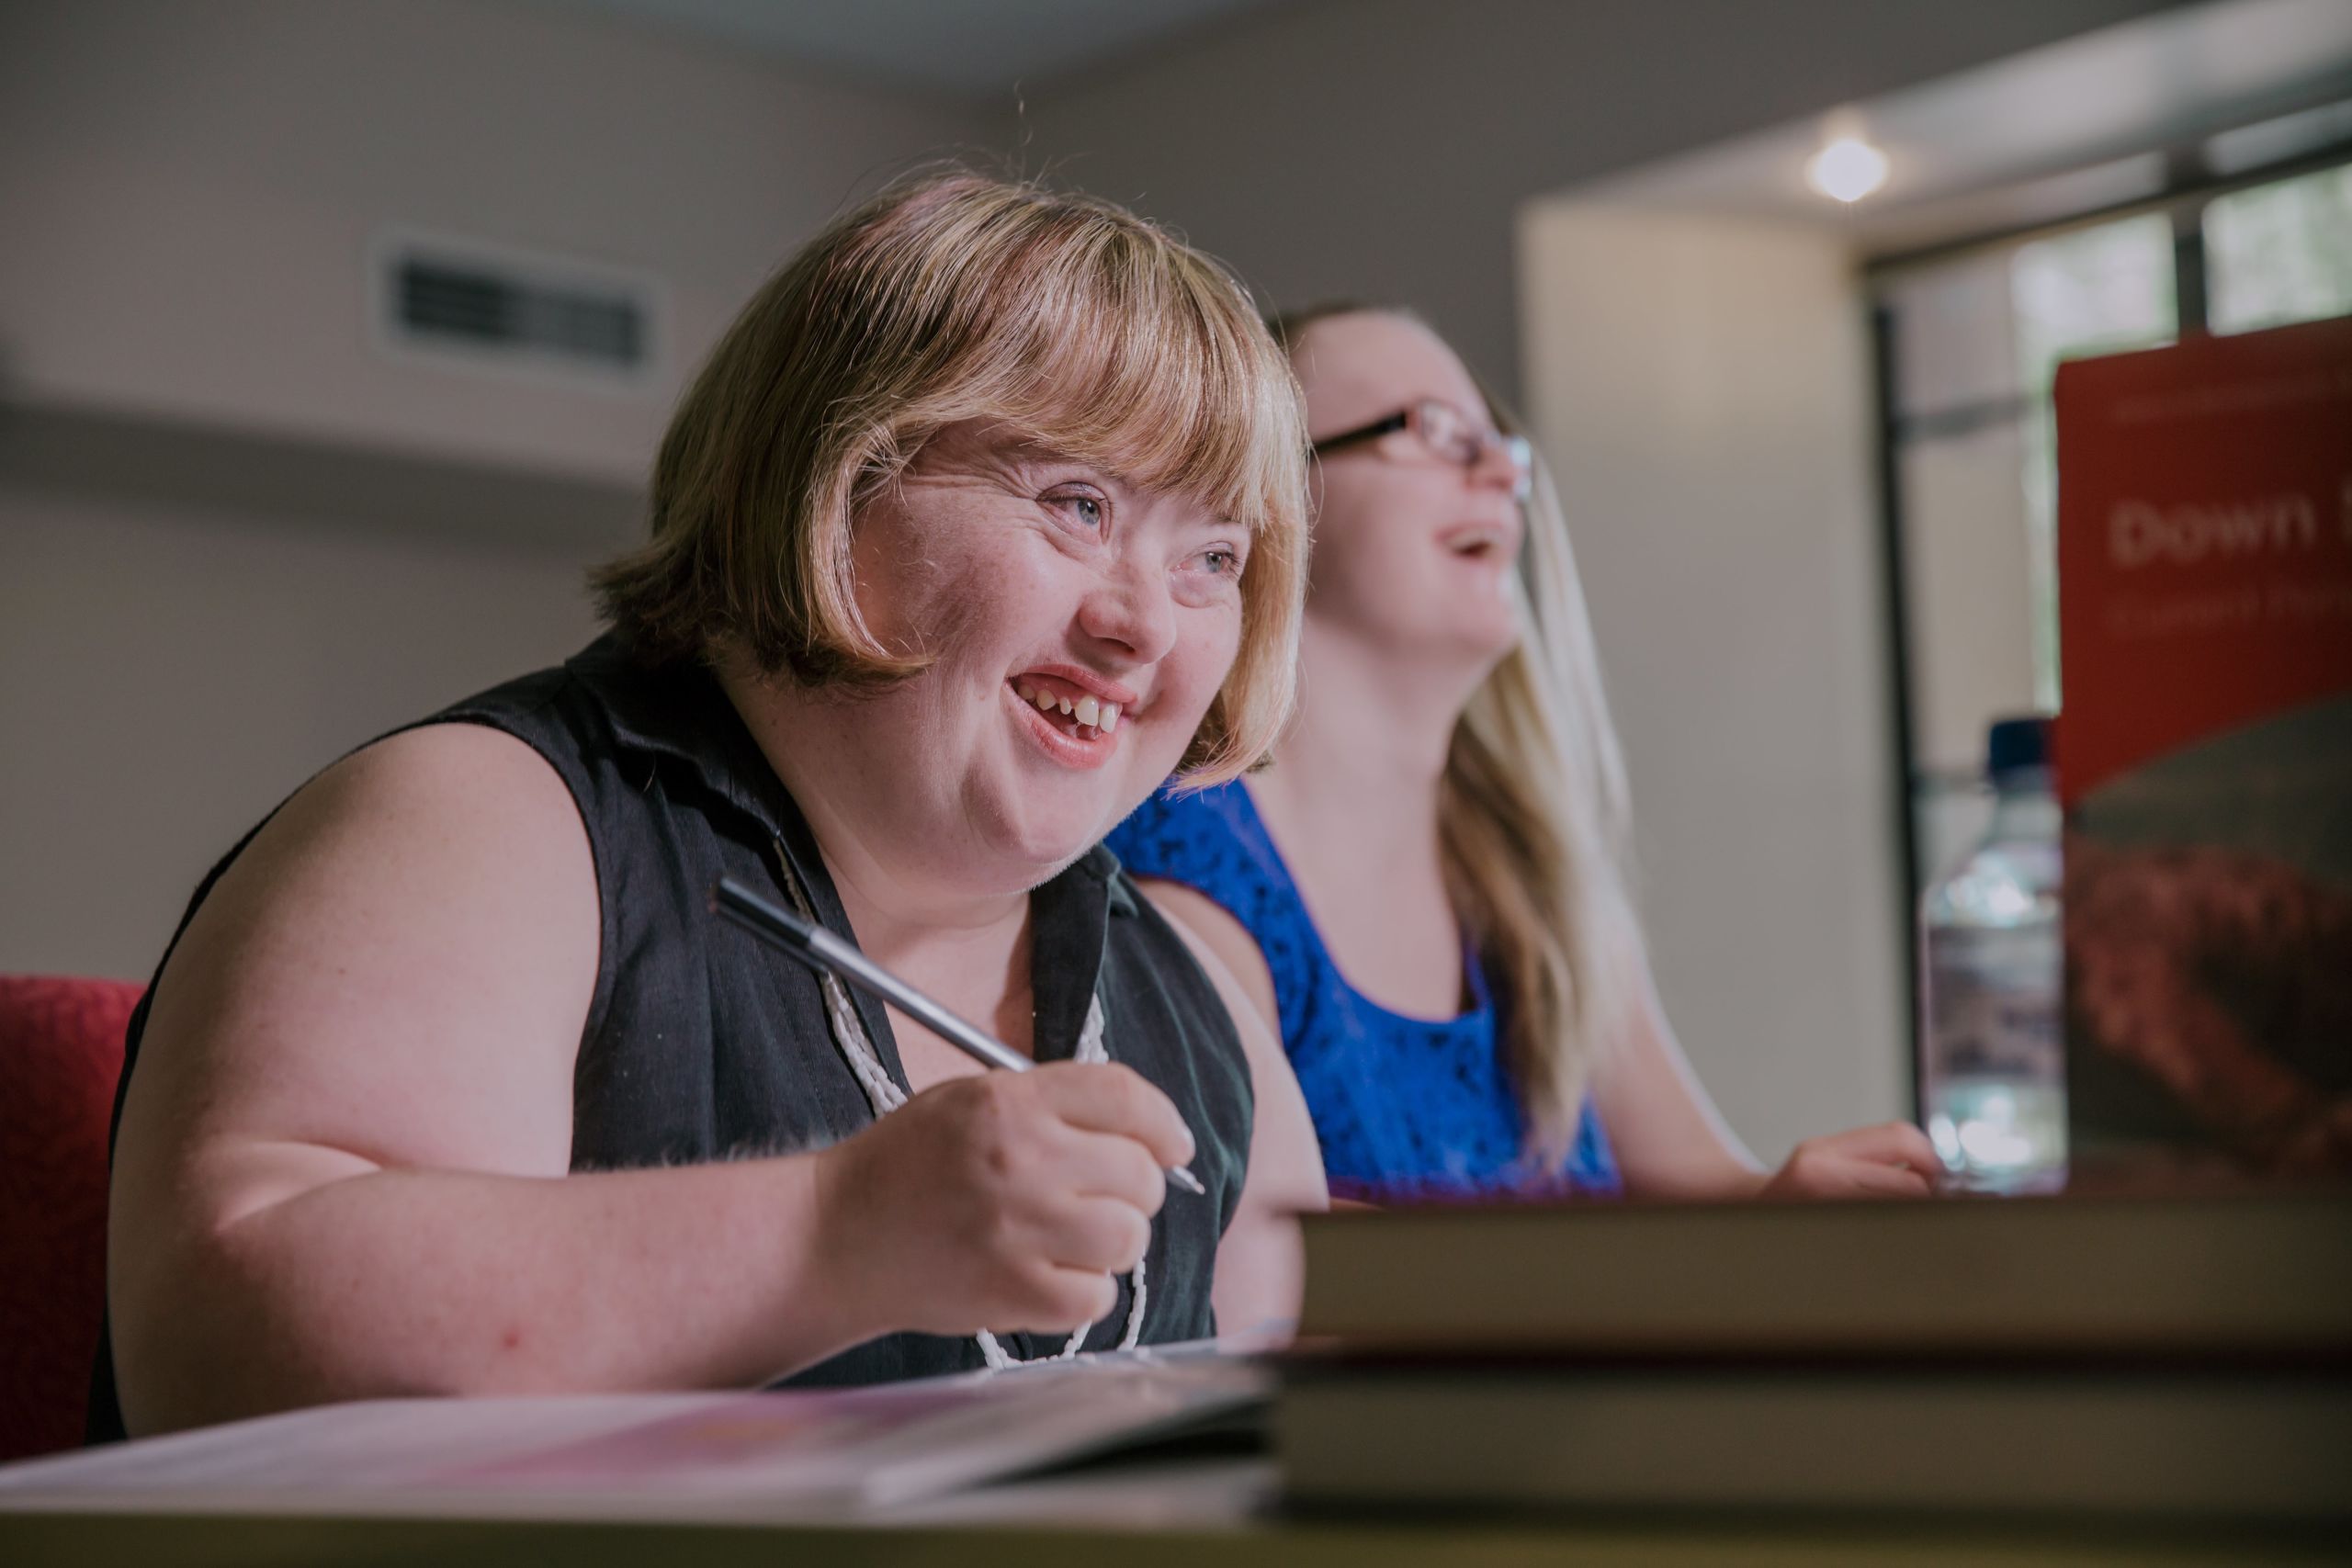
<point x="1406" y="1108"/>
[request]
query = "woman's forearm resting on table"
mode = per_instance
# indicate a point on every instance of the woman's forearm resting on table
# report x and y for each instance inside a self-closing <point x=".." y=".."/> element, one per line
<point x="420" y="1281"/>
<point x="1001" y="1201"/>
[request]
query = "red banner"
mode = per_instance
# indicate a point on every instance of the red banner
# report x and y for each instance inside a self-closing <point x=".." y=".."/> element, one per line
<point x="2204" y="542"/>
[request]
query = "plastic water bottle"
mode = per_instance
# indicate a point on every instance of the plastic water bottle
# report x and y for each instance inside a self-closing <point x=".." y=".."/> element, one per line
<point x="1992" y="1041"/>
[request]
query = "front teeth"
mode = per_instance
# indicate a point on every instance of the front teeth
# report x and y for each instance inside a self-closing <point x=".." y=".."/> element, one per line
<point x="1089" y="711"/>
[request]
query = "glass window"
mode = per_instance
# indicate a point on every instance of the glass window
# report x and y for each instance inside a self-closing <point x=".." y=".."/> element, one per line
<point x="2103" y="289"/>
<point x="1979" y="339"/>
<point x="2279" y="253"/>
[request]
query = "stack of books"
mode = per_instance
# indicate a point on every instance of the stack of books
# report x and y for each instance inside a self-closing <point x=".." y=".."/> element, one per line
<point x="2188" y="1357"/>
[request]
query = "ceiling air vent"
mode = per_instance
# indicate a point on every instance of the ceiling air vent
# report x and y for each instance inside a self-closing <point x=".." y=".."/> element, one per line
<point x="471" y="303"/>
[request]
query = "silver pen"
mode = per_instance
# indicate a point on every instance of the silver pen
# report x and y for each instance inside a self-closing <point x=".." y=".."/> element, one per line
<point x="821" y="949"/>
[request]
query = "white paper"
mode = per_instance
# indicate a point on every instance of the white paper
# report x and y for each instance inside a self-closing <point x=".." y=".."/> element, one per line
<point x="807" y="1453"/>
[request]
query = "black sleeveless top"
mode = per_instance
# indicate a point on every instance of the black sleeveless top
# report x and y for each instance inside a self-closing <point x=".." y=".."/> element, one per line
<point x="701" y="1044"/>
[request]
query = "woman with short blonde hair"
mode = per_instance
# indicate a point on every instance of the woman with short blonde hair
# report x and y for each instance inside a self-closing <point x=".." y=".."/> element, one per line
<point x="966" y="298"/>
<point x="987" y="514"/>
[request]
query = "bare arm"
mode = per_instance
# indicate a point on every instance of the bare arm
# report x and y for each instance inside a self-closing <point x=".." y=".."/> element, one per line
<point x="1207" y="924"/>
<point x="1670" y="1139"/>
<point x="1260" y="1272"/>
<point x="343" y="1166"/>
<point x="1672" y="1143"/>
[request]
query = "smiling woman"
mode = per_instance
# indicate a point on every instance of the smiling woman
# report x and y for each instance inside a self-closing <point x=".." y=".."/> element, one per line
<point x="986" y="515"/>
<point x="1426" y="892"/>
<point x="990" y="570"/>
<point x="1079" y="333"/>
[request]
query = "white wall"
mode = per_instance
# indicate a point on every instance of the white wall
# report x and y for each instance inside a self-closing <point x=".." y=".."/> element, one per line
<point x="269" y="541"/>
<point x="167" y="676"/>
<point x="1702" y="386"/>
<point x="192" y="190"/>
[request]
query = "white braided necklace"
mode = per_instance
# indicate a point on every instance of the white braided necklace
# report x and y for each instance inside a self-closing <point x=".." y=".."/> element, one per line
<point x="882" y="1096"/>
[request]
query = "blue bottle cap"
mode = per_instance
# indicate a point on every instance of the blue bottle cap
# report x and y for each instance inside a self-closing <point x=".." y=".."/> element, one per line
<point x="2017" y="743"/>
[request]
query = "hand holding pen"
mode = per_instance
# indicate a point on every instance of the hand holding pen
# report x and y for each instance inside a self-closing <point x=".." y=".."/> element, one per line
<point x="1006" y="1199"/>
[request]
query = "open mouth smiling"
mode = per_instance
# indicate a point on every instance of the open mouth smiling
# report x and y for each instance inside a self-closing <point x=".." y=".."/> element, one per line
<point x="1479" y="542"/>
<point x="1074" y="716"/>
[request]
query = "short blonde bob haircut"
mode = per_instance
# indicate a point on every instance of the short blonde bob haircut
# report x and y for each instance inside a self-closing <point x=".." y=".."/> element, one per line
<point x="955" y="297"/>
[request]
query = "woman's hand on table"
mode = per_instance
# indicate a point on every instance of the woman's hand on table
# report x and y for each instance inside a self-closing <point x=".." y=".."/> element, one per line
<point x="1003" y="1201"/>
<point x="1893" y="1159"/>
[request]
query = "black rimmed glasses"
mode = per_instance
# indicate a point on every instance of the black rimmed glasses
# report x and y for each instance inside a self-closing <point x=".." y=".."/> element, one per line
<point x="1449" y="434"/>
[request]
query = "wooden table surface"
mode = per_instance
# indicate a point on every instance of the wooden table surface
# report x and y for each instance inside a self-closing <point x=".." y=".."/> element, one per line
<point x="1220" y="1512"/>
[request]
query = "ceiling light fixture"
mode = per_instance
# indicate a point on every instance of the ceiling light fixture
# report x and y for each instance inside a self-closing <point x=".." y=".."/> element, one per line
<point x="1846" y="169"/>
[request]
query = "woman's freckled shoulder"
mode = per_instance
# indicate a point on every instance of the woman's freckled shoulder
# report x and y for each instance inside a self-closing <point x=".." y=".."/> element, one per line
<point x="457" y="773"/>
<point x="436" y="818"/>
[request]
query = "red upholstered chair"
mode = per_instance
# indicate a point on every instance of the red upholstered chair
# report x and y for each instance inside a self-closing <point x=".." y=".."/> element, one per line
<point x="61" y="1052"/>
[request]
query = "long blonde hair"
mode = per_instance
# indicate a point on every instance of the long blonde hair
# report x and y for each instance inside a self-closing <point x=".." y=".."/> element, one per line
<point x="1533" y="816"/>
<point x="951" y="296"/>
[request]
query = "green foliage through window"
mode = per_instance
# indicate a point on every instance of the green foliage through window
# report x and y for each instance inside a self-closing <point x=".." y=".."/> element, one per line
<point x="2280" y="253"/>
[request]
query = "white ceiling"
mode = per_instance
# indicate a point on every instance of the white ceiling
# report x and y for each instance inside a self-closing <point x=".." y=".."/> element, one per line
<point x="2052" y="132"/>
<point x="969" y="48"/>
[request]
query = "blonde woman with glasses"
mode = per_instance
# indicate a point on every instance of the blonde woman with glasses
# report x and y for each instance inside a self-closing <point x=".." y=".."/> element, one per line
<point x="985" y="513"/>
<point x="1425" y="893"/>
